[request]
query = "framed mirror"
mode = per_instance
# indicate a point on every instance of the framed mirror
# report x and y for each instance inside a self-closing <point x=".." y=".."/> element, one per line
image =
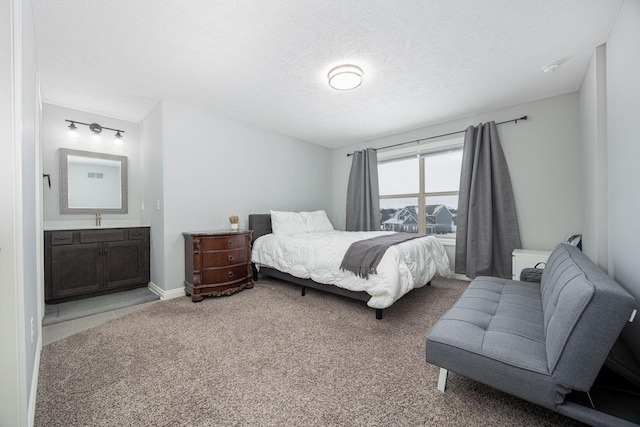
<point x="92" y="183"/>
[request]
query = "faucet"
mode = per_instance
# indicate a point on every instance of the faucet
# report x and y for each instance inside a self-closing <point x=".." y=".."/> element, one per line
<point x="98" y="220"/>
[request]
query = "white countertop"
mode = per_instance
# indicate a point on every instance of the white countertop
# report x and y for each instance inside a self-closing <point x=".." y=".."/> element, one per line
<point x="91" y="224"/>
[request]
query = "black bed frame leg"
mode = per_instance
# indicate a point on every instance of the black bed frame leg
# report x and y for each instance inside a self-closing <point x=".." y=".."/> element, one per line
<point x="254" y="272"/>
<point x="304" y="290"/>
<point x="378" y="313"/>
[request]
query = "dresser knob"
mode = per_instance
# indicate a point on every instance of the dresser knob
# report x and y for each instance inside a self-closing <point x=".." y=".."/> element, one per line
<point x="229" y="242"/>
<point x="231" y="258"/>
<point x="230" y="274"/>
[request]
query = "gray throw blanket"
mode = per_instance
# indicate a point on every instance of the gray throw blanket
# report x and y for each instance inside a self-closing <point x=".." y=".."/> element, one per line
<point x="362" y="257"/>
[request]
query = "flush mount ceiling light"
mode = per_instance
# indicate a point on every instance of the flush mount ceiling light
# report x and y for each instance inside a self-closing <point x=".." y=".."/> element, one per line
<point x="345" y="77"/>
<point x="96" y="129"/>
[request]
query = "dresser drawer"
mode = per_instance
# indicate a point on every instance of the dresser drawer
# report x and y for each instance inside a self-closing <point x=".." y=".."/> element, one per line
<point x="226" y="242"/>
<point x="225" y="274"/>
<point x="223" y="258"/>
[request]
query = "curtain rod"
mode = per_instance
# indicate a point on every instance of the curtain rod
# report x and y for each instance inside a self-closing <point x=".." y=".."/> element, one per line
<point x="417" y="141"/>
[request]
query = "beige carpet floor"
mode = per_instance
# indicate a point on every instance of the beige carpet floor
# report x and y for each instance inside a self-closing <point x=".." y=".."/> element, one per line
<point x="268" y="356"/>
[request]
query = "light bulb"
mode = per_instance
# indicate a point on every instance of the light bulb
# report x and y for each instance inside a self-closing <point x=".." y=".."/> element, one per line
<point x="73" y="130"/>
<point x="117" y="139"/>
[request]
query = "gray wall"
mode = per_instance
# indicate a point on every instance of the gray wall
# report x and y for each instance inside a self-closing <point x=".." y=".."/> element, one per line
<point x="214" y="168"/>
<point x="623" y="130"/>
<point x="543" y="154"/>
<point x="54" y="136"/>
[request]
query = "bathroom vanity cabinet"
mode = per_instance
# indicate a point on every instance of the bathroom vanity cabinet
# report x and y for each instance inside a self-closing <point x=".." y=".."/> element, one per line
<point x="89" y="262"/>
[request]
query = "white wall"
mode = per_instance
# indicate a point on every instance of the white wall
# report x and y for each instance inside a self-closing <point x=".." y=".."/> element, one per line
<point x="623" y="125"/>
<point x="543" y="156"/>
<point x="54" y="136"/>
<point x="19" y="222"/>
<point x="593" y="128"/>
<point x="151" y="158"/>
<point x="214" y="168"/>
<point x="12" y="398"/>
<point x="32" y="239"/>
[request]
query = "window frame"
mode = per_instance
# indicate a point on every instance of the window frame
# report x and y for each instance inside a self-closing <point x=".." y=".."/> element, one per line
<point x="423" y="151"/>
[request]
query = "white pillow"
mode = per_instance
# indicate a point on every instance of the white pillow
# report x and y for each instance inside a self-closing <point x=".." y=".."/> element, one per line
<point x="317" y="221"/>
<point x="287" y="223"/>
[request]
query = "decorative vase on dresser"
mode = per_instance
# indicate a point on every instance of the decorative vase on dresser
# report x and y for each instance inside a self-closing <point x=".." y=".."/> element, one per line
<point x="217" y="263"/>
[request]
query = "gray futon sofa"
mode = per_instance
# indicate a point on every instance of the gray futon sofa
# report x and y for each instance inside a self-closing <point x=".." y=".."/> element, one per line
<point x="537" y="341"/>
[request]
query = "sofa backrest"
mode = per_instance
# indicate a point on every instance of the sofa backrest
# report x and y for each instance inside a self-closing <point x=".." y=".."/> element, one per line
<point x="584" y="312"/>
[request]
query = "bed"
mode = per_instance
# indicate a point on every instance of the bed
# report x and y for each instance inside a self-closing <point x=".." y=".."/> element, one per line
<point x="310" y="253"/>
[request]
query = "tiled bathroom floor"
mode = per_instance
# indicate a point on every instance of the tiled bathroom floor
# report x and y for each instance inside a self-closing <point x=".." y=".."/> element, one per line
<point x="52" y="333"/>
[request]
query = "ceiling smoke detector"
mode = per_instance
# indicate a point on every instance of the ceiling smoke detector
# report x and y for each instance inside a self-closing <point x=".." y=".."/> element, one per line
<point x="551" y="67"/>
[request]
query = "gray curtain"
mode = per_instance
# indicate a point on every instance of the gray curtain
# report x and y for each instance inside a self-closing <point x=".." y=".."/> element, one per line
<point x="487" y="227"/>
<point x="363" y="198"/>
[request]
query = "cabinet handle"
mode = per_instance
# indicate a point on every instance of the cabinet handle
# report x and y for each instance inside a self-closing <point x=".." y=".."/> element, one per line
<point x="61" y="239"/>
<point x="229" y="242"/>
<point x="231" y="258"/>
<point x="230" y="274"/>
<point x="99" y="251"/>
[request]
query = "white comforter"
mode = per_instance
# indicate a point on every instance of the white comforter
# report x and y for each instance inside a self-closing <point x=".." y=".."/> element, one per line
<point x="317" y="256"/>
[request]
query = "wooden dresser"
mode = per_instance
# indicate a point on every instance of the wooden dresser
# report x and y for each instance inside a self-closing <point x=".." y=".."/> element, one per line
<point x="217" y="263"/>
<point x="89" y="262"/>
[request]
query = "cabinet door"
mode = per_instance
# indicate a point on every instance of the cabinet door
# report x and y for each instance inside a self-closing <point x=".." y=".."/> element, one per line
<point x="76" y="269"/>
<point x="126" y="263"/>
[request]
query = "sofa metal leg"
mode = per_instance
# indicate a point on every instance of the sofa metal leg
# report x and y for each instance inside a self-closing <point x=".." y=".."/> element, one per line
<point x="442" y="379"/>
<point x="378" y="313"/>
<point x="304" y="290"/>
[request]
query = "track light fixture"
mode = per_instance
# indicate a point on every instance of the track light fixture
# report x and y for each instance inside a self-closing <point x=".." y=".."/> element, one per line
<point x="96" y="129"/>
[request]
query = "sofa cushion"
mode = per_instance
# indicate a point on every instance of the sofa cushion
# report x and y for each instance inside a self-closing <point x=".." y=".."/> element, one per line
<point x="500" y="319"/>
<point x="495" y="334"/>
<point x="584" y="312"/>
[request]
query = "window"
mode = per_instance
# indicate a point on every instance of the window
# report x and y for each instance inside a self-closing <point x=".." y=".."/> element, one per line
<point x="419" y="188"/>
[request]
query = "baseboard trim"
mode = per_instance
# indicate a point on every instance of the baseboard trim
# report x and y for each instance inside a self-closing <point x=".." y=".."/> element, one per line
<point x="165" y="295"/>
<point x="34" y="382"/>
<point x="459" y="277"/>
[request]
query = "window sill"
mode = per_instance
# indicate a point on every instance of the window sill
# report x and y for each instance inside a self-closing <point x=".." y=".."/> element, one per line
<point x="447" y="241"/>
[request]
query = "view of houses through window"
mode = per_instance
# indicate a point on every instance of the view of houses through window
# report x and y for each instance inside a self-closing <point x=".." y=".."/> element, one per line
<point x="419" y="189"/>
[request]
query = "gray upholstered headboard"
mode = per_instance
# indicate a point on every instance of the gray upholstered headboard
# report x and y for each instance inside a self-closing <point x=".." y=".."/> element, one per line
<point x="260" y="224"/>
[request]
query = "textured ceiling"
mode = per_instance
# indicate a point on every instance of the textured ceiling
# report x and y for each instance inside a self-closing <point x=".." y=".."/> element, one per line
<point x="265" y="62"/>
